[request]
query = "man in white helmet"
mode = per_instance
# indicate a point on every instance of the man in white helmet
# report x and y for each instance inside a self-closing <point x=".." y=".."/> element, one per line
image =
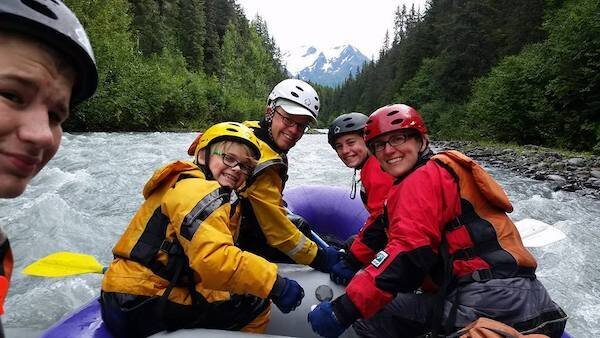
<point x="267" y="228"/>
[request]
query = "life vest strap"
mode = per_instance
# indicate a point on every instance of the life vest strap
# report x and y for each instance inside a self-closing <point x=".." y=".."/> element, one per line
<point x="484" y="275"/>
<point x="476" y="251"/>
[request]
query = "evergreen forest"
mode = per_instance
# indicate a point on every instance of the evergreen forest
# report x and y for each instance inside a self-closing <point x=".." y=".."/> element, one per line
<point x="174" y="64"/>
<point x="511" y="71"/>
<point x="524" y="72"/>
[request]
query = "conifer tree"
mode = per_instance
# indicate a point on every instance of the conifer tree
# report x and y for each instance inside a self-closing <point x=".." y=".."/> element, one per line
<point x="191" y="34"/>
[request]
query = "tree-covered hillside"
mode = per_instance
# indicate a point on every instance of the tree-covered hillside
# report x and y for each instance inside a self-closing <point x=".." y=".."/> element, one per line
<point x="510" y="71"/>
<point x="499" y="70"/>
<point x="174" y="64"/>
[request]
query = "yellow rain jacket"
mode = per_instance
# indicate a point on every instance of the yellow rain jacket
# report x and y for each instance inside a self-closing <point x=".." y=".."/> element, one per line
<point x="264" y="193"/>
<point x="182" y="206"/>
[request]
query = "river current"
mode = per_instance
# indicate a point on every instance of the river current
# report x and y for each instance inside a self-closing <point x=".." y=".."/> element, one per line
<point x="84" y="198"/>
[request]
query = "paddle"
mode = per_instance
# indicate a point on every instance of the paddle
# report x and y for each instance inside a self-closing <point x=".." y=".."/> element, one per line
<point x="534" y="234"/>
<point x="318" y="240"/>
<point x="61" y="264"/>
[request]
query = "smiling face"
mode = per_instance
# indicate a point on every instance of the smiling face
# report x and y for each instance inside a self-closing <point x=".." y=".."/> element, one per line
<point x="287" y="129"/>
<point x="400" y="159"/>
<point x="230" y="164"/>
<point x="34" y="102"/>
<point x="351" y="149"/>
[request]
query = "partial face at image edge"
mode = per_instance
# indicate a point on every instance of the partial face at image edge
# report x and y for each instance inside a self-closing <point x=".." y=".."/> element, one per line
<point x="35" y="93"/>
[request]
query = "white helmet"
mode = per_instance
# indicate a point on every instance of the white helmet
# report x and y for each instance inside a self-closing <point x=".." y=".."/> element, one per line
<point x="296" y="97"/>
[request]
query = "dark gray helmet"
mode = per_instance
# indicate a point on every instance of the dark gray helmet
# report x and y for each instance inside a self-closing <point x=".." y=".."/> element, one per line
<point x="346" y="123"/>
<point x="54" y="24"/>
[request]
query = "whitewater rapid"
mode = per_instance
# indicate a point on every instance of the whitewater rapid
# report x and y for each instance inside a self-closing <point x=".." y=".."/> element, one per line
<point x="84" y="198"/>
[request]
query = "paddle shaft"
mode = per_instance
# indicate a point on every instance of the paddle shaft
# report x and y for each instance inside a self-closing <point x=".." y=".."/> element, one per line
<point x="317" y="239"/>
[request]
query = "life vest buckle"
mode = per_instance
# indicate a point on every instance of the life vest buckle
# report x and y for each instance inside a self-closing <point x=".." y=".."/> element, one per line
<point x="172" y="248"/>
<point x="465" y="254"/>
<point x="482" y="275"/>
<point x="165" y="246"/>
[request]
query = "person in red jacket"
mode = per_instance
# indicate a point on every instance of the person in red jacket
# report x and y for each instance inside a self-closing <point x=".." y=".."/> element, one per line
<point x="446" y="220"/>
<point x="346" y="137"/>
<point x="46" y="67"/>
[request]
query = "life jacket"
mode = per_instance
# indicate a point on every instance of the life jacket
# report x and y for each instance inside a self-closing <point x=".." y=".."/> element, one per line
<point x="254" y="236"/>
<point x="483" y="238"/>
<point x="489" y="328"/>
<point x="481" y="243"/>
<point x="149" y="244"/>
<point x="269" y="157"/>
<point x="6" y="267"/>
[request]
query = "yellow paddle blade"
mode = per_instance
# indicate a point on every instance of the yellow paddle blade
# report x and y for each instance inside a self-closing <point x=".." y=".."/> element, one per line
<point x="60" y="264"/>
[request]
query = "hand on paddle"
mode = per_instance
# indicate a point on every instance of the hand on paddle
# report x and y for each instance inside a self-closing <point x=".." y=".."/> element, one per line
<point x="326" y="258"/>
<point x="287" y="294"/>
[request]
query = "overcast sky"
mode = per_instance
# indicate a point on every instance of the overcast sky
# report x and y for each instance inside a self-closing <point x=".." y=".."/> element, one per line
<point x="328" y="23"/>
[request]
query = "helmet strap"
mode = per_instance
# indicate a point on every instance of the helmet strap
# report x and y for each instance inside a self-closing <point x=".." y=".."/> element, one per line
<point x="424" y="145"/>
<point x="353" y="186"/>
<point x="207" y="173"/>
<point x="269" y="114"/>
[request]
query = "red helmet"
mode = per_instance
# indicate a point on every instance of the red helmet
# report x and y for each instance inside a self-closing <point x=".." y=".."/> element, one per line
<point x="393" y="117"/>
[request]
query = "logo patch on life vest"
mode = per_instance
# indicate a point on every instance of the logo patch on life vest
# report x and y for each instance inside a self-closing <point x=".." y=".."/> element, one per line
<point x="379" y="259"/>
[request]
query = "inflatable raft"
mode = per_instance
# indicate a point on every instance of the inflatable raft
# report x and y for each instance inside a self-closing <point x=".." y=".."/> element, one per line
<point x="331" y="213"/>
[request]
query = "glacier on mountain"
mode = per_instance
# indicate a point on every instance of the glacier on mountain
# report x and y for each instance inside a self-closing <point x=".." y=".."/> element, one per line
<point x="324" y="66"/>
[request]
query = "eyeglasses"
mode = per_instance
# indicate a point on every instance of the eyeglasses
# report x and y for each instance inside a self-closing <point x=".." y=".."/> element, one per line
<point x="232" y="162"/>
<point x="290" y="123"/>
<point x="394" y="141"/>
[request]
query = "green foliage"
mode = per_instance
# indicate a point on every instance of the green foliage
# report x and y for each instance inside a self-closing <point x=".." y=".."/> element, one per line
<point x="422" y="88"/>
<point x="191" y="32"/>
<point x="248" y="71"/>
<point x="445" y="121"/>
<point x="510" y="105"/>
<point x="107" y="24"/>
<point x="161" y="65"/>
<point x="524" y="72"/>
<point x="150" y="28"/>
<point x="574" y="57"/>
<point x="549" y="94"/>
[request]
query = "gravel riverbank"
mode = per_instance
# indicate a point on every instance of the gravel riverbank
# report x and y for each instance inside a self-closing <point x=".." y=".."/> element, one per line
<point x="575" y="173"/>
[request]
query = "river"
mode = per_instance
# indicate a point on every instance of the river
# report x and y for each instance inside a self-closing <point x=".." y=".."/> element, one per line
<point x="86" y="195"/>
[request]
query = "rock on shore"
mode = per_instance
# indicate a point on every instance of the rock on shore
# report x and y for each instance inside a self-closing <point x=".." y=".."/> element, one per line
<point x="577" y="173"/>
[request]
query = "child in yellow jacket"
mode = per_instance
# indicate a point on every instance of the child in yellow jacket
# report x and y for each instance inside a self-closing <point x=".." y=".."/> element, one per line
<point x="176" y="266"/>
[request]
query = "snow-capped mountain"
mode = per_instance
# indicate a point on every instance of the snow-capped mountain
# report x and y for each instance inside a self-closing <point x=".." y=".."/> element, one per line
<point x="328" y="67"/>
